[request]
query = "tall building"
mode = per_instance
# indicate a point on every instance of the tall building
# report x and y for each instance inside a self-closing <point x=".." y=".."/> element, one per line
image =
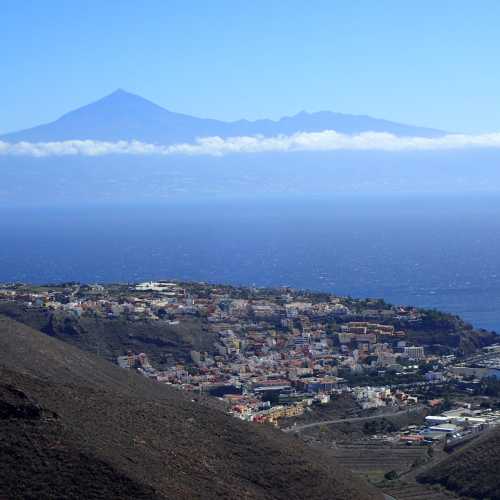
<point x="416" y="353"/>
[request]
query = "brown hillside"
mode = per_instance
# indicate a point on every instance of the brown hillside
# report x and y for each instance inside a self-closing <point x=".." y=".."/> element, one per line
<point x="75" y="426"/>
<point x="472" y="471"/>
<point x="112" y="337"/>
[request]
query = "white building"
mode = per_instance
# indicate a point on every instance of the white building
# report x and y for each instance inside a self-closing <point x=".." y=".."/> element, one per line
<point x="415" y="352"/>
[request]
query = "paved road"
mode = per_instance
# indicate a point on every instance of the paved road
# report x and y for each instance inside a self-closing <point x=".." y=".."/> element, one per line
<point x="299" y="428"/>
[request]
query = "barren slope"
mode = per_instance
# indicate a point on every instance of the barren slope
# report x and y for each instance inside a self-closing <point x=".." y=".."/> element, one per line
<point x="77" y="426"/>
<point x="471" y="471"/>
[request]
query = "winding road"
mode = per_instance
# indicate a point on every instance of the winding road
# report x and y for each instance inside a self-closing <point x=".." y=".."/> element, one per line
<point x="299" y="428"/>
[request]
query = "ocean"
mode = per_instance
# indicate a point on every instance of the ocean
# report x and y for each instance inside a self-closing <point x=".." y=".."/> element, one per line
<point x="438" y="251"/>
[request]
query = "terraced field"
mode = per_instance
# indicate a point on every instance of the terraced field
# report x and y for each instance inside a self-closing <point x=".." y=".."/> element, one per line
<point x="412" y="491"/>
<point x="379" y="458"/>
<point x="373" y="460"/>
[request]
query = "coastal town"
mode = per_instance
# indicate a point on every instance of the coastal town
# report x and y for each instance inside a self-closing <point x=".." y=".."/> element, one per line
<point x="275" y="354"/>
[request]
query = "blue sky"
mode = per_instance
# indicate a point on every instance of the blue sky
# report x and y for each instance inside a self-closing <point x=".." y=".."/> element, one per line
<point x="431" y="63"/>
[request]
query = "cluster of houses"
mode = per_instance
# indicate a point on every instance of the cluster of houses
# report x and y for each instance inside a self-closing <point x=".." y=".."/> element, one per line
<point x="276" y="351"/>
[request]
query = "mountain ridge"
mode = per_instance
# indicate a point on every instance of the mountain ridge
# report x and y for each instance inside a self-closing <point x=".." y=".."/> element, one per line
<point x="125" y="116"/>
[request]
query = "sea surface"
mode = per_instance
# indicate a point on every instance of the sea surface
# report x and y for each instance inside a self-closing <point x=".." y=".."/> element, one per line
<point x="425" y="250"/>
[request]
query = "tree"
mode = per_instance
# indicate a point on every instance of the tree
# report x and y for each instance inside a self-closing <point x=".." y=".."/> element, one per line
<point x="391" y="475"/>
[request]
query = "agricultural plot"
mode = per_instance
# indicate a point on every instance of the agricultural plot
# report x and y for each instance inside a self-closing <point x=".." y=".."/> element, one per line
<point x="379" y="458"/>
<point x="412" y="491"/>
<point x="373" y="460"/>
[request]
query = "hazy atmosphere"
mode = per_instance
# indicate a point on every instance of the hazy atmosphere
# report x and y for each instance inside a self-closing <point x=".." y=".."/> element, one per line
<point x="250" y="250"/>
<point x="429" y="63"/>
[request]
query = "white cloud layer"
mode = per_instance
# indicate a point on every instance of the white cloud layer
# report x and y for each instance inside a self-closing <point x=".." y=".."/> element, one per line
<point x="328" y="140"/>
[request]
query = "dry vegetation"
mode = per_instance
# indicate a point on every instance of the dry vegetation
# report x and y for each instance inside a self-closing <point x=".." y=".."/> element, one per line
<point x="75" y="426"/>
<point x="112" y="337"/>
<point x="471" y="471"/>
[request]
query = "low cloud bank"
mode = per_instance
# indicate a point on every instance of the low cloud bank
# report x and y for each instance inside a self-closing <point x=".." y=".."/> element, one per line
<point x="328" y="140"/>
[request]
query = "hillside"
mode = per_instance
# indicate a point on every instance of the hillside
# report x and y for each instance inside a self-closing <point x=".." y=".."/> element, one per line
<point x="472" y="471"/>
<point x="443" y="333"/>
<point x="112" y="337"/>
<point x="76" y="426"/>
<point x="125" y="116"/>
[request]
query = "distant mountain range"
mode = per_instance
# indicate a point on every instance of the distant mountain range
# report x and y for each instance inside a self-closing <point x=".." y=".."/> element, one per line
<point x="76" y="178"/>
<point x="125" y="116"/>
